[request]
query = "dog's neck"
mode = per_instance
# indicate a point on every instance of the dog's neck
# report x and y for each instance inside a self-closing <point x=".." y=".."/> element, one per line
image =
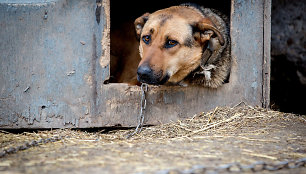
<point x="205" y="66"/>
<point x="212" y="70"/>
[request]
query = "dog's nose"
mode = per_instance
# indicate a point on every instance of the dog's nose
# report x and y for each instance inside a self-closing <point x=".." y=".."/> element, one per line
<point x="144" y="73"/>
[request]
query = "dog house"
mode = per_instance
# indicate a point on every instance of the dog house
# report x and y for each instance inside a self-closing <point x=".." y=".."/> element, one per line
<point x="55" y="65"/>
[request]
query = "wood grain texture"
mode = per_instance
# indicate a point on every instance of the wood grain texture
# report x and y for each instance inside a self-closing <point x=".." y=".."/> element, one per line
<point x="266" y="67"/>
<point x="49" y="62"/>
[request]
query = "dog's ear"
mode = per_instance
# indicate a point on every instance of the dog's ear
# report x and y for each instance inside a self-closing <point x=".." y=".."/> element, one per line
<point x="139" y="23"/>
<point x="206" y="30"/>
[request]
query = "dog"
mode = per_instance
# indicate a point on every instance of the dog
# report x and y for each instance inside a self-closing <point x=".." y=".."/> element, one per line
<point x="184" y="45"/>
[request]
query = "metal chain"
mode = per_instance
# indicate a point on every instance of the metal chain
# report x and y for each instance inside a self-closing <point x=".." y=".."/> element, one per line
<point x="237" y="167"/>
<point x="143" y="105"/>
<point x="28" y="145"/>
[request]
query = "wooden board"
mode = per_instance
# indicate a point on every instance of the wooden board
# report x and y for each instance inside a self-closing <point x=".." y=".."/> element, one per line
<point x="267" y="53"/>
<point x="80" y="99"/>
<point x="50" y="62"/>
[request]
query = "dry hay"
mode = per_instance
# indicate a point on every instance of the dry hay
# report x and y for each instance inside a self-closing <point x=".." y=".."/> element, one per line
<point x="241" y="134"/>
<point x="221" y="119"/>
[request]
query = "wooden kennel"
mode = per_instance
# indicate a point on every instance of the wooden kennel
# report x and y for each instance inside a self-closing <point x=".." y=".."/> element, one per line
<point x="55" y="57"/>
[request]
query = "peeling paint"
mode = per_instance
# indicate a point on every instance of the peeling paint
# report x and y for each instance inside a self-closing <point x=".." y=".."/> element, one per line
<point x="70" y="73"/>
<point x="105" y="42"/>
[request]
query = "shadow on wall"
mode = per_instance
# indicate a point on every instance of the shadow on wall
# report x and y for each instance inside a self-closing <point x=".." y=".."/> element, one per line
<point x="288" y="56"/>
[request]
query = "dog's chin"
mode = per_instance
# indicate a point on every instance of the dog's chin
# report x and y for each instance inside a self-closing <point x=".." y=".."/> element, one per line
<point x="154" y="81"/>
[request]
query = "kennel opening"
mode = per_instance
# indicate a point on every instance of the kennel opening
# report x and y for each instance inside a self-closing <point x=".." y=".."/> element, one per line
<point x="53" y="73"/>
<point x="124" y="55"/>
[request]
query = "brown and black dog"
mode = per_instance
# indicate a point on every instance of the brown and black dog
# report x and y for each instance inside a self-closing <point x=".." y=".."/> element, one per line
<point x="185" y="45"/>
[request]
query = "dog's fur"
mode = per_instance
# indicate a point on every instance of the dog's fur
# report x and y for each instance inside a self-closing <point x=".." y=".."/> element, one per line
<point x="201" y="51"/>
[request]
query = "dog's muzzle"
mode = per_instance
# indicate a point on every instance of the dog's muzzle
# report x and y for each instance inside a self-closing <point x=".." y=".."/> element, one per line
<point x="145" y="74"/>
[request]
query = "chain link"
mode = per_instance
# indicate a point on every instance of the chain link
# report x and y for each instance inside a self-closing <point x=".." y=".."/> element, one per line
<point x="143" y="105"/>
<point x="237" y="167"/>
<point x="28" y="145"/>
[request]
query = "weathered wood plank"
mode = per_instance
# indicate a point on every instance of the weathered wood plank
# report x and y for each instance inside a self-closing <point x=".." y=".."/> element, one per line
<point x="247" y="47"/>
<point x="49" y="62"/>
<point x="267" y="53"/>
<point x="164" y="104"/>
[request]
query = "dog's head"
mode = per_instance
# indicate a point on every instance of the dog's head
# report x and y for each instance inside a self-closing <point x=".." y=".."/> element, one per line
<point x="172" y="42"/>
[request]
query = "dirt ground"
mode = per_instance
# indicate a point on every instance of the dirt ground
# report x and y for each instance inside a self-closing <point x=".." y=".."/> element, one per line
<point x="224" y="135"/>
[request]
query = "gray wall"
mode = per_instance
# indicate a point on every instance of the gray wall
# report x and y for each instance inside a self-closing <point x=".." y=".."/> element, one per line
<point x="49" y="60"/>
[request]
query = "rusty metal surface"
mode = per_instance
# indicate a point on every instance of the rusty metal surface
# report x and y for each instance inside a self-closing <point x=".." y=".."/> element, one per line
<point x="60" y="82"/>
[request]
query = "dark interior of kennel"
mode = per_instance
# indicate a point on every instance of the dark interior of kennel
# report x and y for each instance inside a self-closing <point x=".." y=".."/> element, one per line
<point x="123" y="14"/>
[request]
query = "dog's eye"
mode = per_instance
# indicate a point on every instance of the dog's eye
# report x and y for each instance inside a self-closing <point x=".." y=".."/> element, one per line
<point x="170" y="43"/>
<point x="146" y="39"/>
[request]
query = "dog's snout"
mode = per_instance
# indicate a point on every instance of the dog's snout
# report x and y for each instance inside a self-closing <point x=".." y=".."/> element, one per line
<point x="144" y="70"/>
<point x="144" y="73"/>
